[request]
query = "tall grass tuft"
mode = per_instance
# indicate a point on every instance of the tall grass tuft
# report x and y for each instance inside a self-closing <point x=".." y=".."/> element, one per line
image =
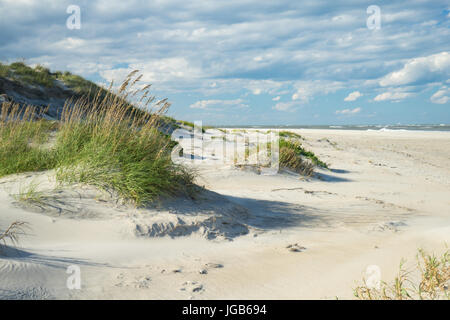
<point x="19" y="70"/>
<point x="297" y="158"/>
<point x="13" y="233"/>
<point x="290" y="159"/>
<point x="21" y="138"/>
<point x="430" y="280"/>
<point x="101" y="140"/>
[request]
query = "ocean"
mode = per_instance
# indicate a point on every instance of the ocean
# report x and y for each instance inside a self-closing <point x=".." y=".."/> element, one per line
<point x="396" y="127"/>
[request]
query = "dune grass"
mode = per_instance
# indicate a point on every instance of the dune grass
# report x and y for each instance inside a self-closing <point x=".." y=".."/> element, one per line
<point x="430" y="280"/>
<point x="42" y="76"/>
<point x="12" y="233"/>
<point x="292" y="148"/>
<point x="289" y="134"/>
<point x="289" y="158"/>
<point x="20" y="71"/>
<point x="102" y="141"/>
<point x="21" y="136"/>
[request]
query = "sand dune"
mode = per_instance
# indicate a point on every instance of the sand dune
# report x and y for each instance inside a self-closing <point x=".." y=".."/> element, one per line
<point x="247" y="235"/>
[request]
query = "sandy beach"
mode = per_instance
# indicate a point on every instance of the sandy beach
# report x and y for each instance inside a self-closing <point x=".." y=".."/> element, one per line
<point x="247" y="236"/>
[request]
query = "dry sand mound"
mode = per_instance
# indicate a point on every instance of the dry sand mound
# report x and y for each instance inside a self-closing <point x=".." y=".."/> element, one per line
<point x="210" y="214"/>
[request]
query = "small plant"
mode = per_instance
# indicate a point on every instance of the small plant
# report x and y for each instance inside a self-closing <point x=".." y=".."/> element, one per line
<point x="13" y="233"/>
<point x="191" y="125"/>
<point x="288" y="134"/>
<point x="290" y="159"/>
<point x="297" y="148"/>
<point x="30" y="194"/>
<point x="430" y="280"/>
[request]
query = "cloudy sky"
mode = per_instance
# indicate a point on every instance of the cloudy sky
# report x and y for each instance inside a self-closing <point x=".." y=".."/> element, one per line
<point x="252" y="61"/>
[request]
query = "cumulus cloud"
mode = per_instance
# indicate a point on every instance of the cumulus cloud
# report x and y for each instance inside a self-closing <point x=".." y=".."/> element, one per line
<point x="297" y="49"/>
<point x="207" y="104"/>
<point x="441" y="96"/>
<point x="431" y="68"/>
<point x="348" y="111"/>
<point x="308" y="89"/>
<point x="353" y="96"/>
<point x="285" y="106"/>
<point x="392" y="95"/>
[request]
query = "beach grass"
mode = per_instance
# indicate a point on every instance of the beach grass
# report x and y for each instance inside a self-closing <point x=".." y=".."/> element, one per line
<point x="42" y="76"/>
<point x="292" y="148"/>
<point x="20" y="71"/>
<point x="289" y="158"/>
<point x="102" y="141"/>
<point x="13" y="233"/>
<point x="429" y="280"/>
<point x="289" y="134"/>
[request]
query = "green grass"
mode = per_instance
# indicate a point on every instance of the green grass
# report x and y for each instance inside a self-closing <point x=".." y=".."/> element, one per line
<point x="296" y="148"/>
<point x="42" y="76"/>
<point x="191" y="125"/>
<point x="35" y="76"/>
<point x="21" y="139"/>
<point x="80" y="85"/>
<point x="289" y="158"/>
<point x="288" y="134"/>
<point x="104" y="142"/>
<point x="4" y="70"/>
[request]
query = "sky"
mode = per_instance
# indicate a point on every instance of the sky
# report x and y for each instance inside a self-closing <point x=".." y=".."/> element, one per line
<point x="251" y="62"/>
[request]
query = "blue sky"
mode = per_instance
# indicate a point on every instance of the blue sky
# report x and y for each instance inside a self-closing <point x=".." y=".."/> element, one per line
<point x="252" y="62"/>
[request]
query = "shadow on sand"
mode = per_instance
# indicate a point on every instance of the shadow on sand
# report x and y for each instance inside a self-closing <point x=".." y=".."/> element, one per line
<point x="254" y="213"/>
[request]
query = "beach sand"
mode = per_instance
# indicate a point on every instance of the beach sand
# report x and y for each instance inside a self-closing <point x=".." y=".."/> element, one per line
<point x="247" y="236"/>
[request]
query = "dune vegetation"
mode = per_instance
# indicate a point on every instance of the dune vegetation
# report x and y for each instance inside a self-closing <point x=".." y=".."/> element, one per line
<point x="100" y="140"/>
<point x="42" y="76"/>
<point x="429" y="280"/>
<point x="12" y="233"/>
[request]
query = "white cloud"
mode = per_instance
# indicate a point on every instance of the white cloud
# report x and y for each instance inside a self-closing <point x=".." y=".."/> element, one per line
<point x="395" y="96"/>
<point x="419" y="69"/>
<point x="353" y="96"/>
<point x="306" y="90"/>
<point x="285" y="106"/>
<point x="263" y="86"/>
<point x="349" y="111"/>
<point x="212" y="51"/>
<point x="156" y="71"/>
<point x="441" y="96"/>
<point x="206" y="104"/>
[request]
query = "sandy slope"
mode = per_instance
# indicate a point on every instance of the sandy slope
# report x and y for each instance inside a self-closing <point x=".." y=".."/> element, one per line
<point x="386" y="195"/>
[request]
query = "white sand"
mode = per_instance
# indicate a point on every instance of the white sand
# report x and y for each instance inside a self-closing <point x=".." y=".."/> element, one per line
<point x="386" y="195"/>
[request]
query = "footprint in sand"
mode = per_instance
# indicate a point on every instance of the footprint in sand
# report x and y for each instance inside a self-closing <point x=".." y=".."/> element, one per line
<point x="393" y="226"/>
<point x="211" y="265"/>
<point x="143" y="283"/>
<point x="192" y="286"/>
<point x="140" y="282"/>
<point x="295" y="247"/>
